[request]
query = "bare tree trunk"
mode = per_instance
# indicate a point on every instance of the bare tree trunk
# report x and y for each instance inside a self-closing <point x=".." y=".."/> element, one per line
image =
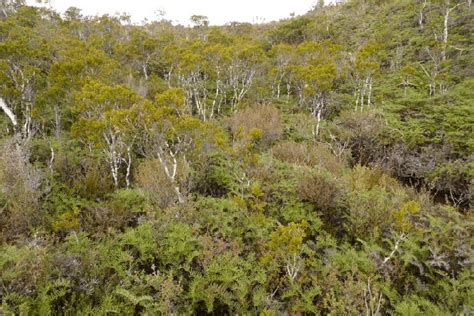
<point x="373" y="303"/>
<point x="445" y="33"/>
<point x="447" y="12"/>
<point x="357" y="97"/>
<point x="57" y="122"/>
<point x="145" y="71"/>
<point x="395" y="249"/>
<point x="171" y="174"/>
<point x="27" y="129"/>
<point x="168" y="77"/>
<point x="362" y="95"/>
<point x="8" y="111"/>
<point x="51" y="160"/>
<point x="301" y="96"/>
<point x="317" y="110"/>
<point x="278" y="89"/>
<point x="318" y="120"/>
<point x="113" y="157"/>
<point x="432" y="74"/>
<point x="5" y="14"/>
<point x="217" y="98"/>
<point x="421" y="17"/>
<point x="224" y="97"/>
<point x="145" y="67"/>
<point x="200" y="106"/>
<point x="129" y="166"/>
<point x="279" y="80"/>
<point x="369" y="94"/>
<point x="114" y="169"/>
<point x="293" y="266"/>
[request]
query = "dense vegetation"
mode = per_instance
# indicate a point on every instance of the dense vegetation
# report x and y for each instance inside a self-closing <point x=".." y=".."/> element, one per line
<point x="317" y="165"/>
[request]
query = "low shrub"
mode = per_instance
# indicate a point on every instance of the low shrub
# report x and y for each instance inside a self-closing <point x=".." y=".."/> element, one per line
<point x="263" y="117"/>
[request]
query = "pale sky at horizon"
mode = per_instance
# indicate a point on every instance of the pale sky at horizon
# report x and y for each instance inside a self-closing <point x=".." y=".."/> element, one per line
<point x="179" y="11"/>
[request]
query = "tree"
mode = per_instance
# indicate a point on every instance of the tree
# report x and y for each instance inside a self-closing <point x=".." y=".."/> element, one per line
<point x="316" y="73"/>
<point x="213" y="74"/>
<point x="319" y="5"/>
<point x="282" y="55"/>
<point x="75" y="64"/>
<point x="286" y="247"/>
<point x="201" y="24"/>
<point x="366" y="66"/>
<point x="174" y="140"/>
<point x="217" y="57"/>
<point x="192" y="77"/>
<point x="200" y="20"/>
<point x="245" y="61"/>
<point x="9" y="6"/>
<point x="23" y="64"/>
<point x="108" y="118"/>
<point x="140" y="50"/>
<point x="448" y="7"/>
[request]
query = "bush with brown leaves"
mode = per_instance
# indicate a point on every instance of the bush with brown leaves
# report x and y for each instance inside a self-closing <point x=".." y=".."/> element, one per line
<point x="263" y="117"/>
<point x="19" y="191"/>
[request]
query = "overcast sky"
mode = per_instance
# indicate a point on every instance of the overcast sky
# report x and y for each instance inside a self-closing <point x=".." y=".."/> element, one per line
<point x="179" y="11"/>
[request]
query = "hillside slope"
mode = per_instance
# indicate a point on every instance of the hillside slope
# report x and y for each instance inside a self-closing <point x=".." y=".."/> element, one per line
<point x="317" y="165"/>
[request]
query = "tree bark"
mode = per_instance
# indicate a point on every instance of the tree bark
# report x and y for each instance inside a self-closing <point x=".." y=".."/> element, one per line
<point x="113" y="157"/>
<point x="369" y="97"/>
<point x="57" y="122"/>
<point x="421" y="17"/>
<point x="129" y="166"/>
<point x="171" y="174"/>
<point x="8" y="111"/>
<point x="447" y="12"/>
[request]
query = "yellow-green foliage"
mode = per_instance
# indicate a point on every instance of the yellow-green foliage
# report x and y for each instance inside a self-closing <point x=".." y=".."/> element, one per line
<point x="403" y="215"/>
<point x="160" y="169"/>
<point x="67" y="221"/>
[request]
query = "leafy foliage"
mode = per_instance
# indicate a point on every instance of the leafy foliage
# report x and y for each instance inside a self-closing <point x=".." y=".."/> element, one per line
<point x="316" y="165"/>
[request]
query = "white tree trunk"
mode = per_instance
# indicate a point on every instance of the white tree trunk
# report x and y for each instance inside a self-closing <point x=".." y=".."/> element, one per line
<point x="395" y="249"/>
<point x="318" y="120"/>
<point x="293" y="266"/>
<point x="317" y="111"/>
<point x="145" y="71"/>
<point x="369" y="96"/>
<point x="9" y="113"/>
<point x="168" y="77"/>
<point x="362" y="95"/>
<point x="447" y="12"/>
<point x="51" y="160"/>
<point x="145" y="67"/>
<point x="114" y="158"/>
<point x="129" y="166"/>
<point x="4" y="11"/>
<point x="217" y="98"/>
<point x="421" y="17"/>
<point x="57" y="121"/>
<point x="357" y="97"/>
<point x="171" y="173"/>
<point x="114" y="168"/>
<point x="240" y="81"/>
<point x="445" y="33"/>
